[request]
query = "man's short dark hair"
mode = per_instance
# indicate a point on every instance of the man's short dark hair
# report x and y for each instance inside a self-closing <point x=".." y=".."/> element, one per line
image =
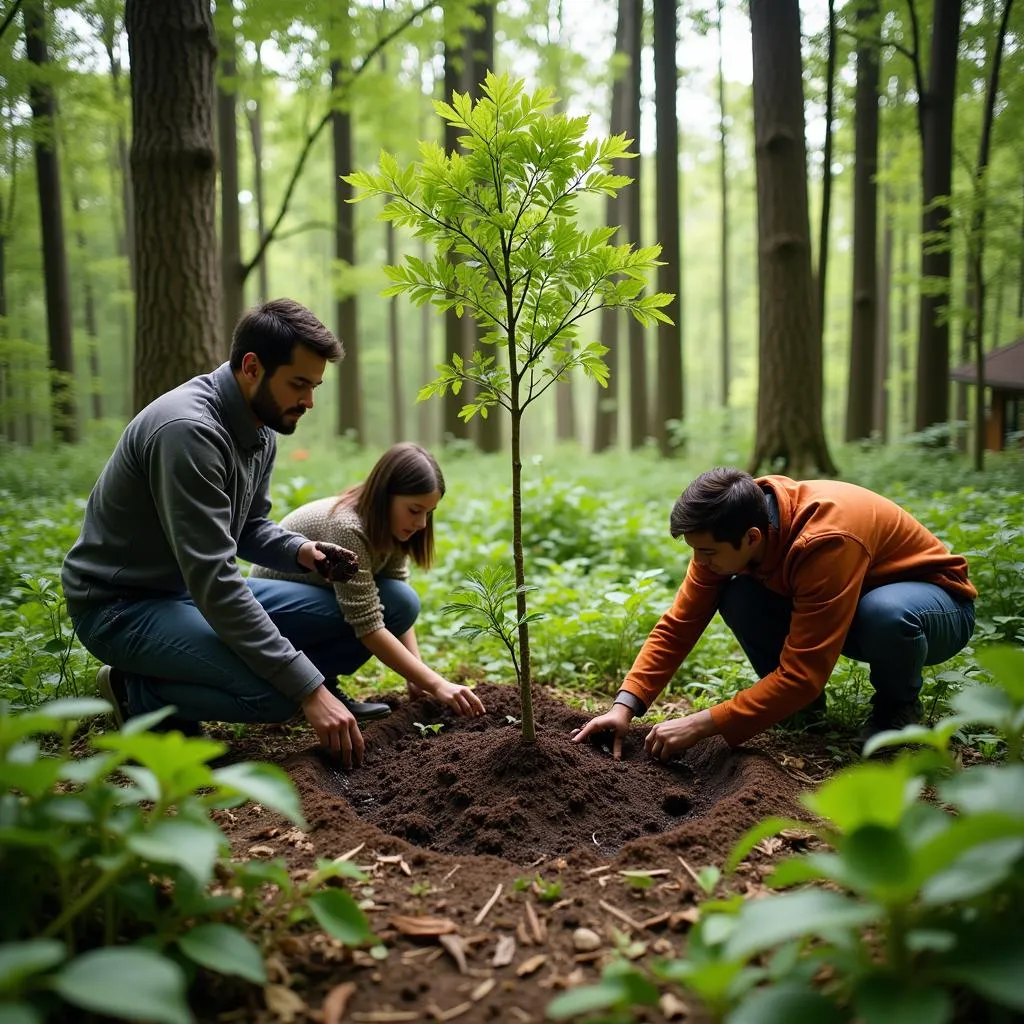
<point x="271" y="330"/>
<point x="723" y="502"/>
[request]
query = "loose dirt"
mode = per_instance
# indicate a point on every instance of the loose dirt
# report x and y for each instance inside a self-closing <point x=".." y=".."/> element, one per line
<point x="515" y="846"/>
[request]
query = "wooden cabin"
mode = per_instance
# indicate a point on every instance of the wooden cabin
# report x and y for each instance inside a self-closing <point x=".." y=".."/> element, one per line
<point x="1004" y="383"/>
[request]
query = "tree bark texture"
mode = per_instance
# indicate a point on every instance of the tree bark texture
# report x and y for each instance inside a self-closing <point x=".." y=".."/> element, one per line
<point x="126" y="239"/>
<point x="666" y="165"/>
<point x="723" y="182"/>
<point x="860" y="414"/>
<point x="883" y="355"/>
<point x="89" y="307"/>
<point x="254" y="117"/>
<point x="826" y="171"/>
<point x="790" y="435"/>
<point x="481" y="45"/>
<point x="174" y="178"/>
<point x="231" y="270"/>
<point x="936" y="122"/>
<point x="55" y="260"/>
<point x="636" y="333"/>
<point x="606" y="400"/>
<point x="350" y="393"/>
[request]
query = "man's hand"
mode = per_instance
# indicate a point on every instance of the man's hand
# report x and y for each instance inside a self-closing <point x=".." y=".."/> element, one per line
<point x="335" y="725"/>
<point x="666" y="739"/>
<point x="332" y="561"/>
<point x="617" y="720"/>
<point x="461" y="699"/>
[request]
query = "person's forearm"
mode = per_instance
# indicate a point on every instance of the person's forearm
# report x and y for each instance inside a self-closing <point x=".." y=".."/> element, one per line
<point x="400" y="657"/>
<point x="408" y="640"/>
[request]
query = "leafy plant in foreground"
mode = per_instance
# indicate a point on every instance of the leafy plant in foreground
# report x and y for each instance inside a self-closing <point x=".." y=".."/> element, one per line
<point x="120" y="846"/>
<point x="929" y="899"/>
<point x="502" y="217"/>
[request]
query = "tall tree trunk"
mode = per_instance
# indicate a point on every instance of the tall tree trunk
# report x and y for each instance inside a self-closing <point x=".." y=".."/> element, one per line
<point x="884" y="352"/>
<point x="789" y="403"/>
<point x="55" y="260"/>
<point x="670" y="337"/>
<point x="905" y="342"/>
<point x="977" y="249"/>
<point x="481" y="42"/>
<point x="936" y="123"/>
<point x="606" y="400"/>
<point x="350" y="392"/>
<point x="231" y="271"/>
<point x="860" y="414"/>
<point x="723" y="181"/>
<point x="1020" y="285"/>
<point x="173" y="55"/>
<point x="6" y="389"/>
<point x="826" y="172"/>
<point x="110" y="33"/>
<point x="636" y="333"/>
<point x="89" y="301"/>
<point x="124" y="305"/>
<point x="452" y="427"/>
<point x="565" y="393"/>
<point x="254" y="116"/>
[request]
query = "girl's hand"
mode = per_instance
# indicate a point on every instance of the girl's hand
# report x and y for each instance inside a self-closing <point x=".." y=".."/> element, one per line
<point x="461" y="699"/>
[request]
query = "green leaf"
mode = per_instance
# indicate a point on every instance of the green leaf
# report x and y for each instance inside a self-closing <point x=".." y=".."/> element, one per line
<point x="68" y="709"/>
<point x="866" y="794"/>
<point x="978" y="871"/>
<point x="987" y="788"/>
<point x="339" y="915"/>
<point x="812" y="912"/>
<point x="188" y="844"/>
<point x="129" y="983"/>
<point x="883" y="999"/>
<point x="264" y="783"/>
<point x="1006" y="663"/>
<point x="750" y="838"/>
<point x="991" y="966"/>
<point x="143" y="723"/>
<point x="878" y="862"/>
<point x="224" y="949"/>
<point x="20" y="960"/>
<point x="787" y="1003"/>
<point x="32" y="779"/>
<point x="964" y="833"/>
<point x="584" y="999"/>
<point x="983" y="705"/>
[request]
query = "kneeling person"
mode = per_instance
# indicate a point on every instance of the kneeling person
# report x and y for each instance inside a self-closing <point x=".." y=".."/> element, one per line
<point x="801" y="572"/>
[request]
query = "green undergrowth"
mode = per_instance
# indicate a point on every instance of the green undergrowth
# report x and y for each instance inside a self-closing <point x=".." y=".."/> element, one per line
<point x="599" y="557"/>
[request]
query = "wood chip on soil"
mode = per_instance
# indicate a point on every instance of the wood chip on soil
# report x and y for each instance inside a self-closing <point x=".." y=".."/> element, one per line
<point x="535" y="963"/>
<point x="336" y="1002"/>
<point x="453" y="945"/>
<point x="505" y="952"/>
<point x="423" y="926"/>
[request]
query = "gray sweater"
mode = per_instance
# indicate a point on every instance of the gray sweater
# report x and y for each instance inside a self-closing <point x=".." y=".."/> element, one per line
<point x="358" y="598"/>
<point x="186" y="491"/>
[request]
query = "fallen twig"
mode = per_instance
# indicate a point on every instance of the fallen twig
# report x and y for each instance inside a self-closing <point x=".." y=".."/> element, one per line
<point x="485" y="910"/>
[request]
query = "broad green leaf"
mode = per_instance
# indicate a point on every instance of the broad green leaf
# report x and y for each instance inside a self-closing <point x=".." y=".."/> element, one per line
<point x="884" y="999"/>
<point x="605" y="995"/>
<point x="987" y="788"/>
<point x="962" y="835"/>
<point x="224" y="949"/>
<point x="786" y="1004"/>
<point x="937" y="737"/>
<point x="339" y="916"/>
<point x="866" y="794"/>
<point x="179" y="763"/>
<point x="187" y="844"/>
<point x="31" y="779"/>
<point x="143" y="723"/>
<point x="808" y="868"/>
<point x="19" y="1013"/>
<point x="68" y="709"/>
<point x="877" y="861"/>
<point x="88" y="769"/>
<point x="129" y="983"/>
<point x="15" y="727"/>
<point x="1006" y="663"/>
<point x="264" y="783"/>
<point x="979" y="870"/>
<point x="769" y="922"/>
<point x="983" y="705"/>
<point x="19" y="960"/>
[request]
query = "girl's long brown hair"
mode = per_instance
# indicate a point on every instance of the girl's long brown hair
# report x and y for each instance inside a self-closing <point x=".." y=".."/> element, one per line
<point x="405" y="469"/>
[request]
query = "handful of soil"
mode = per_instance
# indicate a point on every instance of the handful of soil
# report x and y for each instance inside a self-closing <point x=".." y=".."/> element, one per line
<point x="338" y="565"/>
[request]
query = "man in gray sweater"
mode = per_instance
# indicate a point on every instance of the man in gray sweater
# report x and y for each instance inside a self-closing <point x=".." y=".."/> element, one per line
<point x="153" y="585"/>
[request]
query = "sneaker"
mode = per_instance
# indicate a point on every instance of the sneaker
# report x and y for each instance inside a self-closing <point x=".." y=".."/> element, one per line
<point x="365" y="711"/>
<point x="889" y="715"/>
<point x="111" y="687"/>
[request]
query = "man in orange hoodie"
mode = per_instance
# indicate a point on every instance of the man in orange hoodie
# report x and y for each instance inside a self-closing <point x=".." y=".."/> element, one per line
<point x="801" y="572"/>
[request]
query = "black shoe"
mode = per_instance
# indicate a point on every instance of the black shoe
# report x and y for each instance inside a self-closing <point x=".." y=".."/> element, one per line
<point x="888" y="715"/>
<point x="110" y="683"/>
<point x="365" y="711"/>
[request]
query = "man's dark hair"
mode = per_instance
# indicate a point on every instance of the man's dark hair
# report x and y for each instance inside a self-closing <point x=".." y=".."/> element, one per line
<point x="723" y="502"/>
<point x="271" y="330"/>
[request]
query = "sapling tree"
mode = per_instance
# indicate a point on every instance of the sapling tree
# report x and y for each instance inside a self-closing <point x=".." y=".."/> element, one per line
<point x="502" y="216"/>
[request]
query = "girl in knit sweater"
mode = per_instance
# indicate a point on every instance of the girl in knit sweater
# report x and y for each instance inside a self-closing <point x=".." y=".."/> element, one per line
<point x="386" y="520"/>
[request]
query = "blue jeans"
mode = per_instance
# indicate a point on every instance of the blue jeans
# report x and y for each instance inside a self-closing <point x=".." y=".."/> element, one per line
<point x="169" y="654"/>
<point x="897" y="629"/>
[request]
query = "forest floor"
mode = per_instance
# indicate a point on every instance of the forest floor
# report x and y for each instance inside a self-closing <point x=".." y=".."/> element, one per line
<point x="485" y="857"/>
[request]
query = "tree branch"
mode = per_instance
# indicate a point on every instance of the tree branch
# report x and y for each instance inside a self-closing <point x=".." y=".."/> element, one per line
<point x="271" y="234"/>
<point x="10" y="17"/>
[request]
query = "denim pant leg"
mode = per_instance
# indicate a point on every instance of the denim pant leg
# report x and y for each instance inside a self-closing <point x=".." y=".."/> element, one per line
<point x="759" y="619"/>
<point x="170" y="654"/>
<point x="900" y="628"/>
<point x="310" y="617"/>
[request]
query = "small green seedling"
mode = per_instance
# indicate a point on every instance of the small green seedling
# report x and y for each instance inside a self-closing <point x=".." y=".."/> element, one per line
<point x="432" y="728"/>
<point x="638" y="880"/>
<point x="420" y="889"/>
<point x="546" y="892"/>
<point x="708" y="878"/>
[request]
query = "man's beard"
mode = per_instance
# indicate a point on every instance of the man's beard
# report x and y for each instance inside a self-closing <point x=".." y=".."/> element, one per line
<point x="270" y="414"/>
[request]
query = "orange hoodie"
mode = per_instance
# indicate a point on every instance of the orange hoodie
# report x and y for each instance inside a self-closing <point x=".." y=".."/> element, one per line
<point x="834" y="541"/>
